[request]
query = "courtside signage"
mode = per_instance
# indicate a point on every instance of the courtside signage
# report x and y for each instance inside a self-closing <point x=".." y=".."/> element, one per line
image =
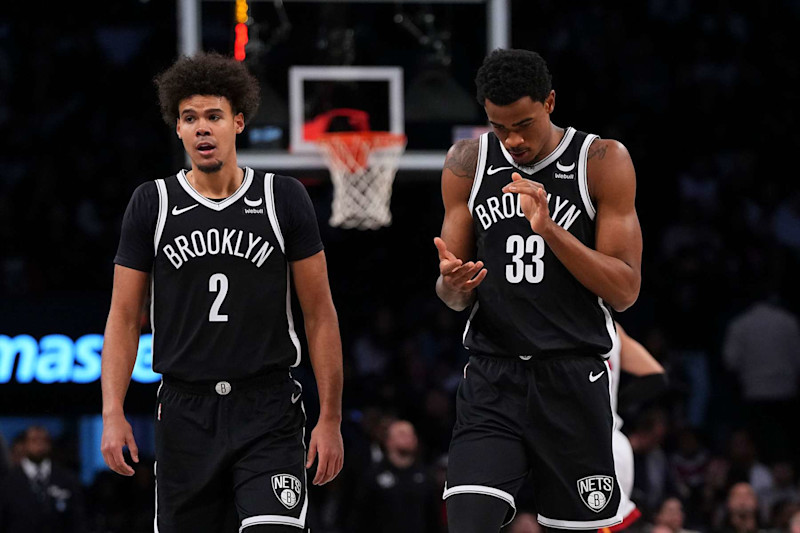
<point x="60" y="359"/>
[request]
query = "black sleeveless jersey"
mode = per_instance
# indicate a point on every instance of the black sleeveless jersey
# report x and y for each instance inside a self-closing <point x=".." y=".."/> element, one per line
<point x="530" y="304"/>
<point x="220" y="287"/>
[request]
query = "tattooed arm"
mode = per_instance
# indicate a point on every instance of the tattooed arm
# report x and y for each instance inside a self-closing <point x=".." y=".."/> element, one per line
<point x="458" y="275"/>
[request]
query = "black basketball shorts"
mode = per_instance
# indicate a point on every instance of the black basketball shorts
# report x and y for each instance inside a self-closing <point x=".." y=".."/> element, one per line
<point x="221" y="446"/>
<point x="550" y="417"/>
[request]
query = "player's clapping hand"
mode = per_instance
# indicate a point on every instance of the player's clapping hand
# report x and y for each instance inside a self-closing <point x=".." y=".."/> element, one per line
<point x="326" y="442"/>
<point x="117" y="432"/>
<point x="456" y="275"/>
<point x="533" y="200"/>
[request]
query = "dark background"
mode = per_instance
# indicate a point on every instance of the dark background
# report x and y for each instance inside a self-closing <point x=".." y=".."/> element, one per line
<point x="704" y="95"/>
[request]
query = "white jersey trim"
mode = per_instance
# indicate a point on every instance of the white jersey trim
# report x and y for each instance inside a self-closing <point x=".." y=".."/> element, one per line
<point x="480" y="169"/>
<point x="573" y="524"/>
<point x="163" y="210"/>
<point x="272" y="213"/>
<point x="487" y="491"/>
<point x="161" y="222"/>
<point x="211" y="204"/>
<point x="583" y="182"/>
<point x="469" y="321"/>
<point x="552" y="156"/>
<point x="290" y="317"/>
<point x="610" y="327"/>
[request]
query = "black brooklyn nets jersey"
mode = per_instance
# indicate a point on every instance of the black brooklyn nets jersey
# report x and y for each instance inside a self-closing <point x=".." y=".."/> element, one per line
<point x="220" y="290"/>
<point x="529" y="304"/>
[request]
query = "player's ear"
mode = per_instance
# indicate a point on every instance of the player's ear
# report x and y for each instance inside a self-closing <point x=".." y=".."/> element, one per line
<point x="238" y="122"/>
<point x="178" y="127"/>
<point x="550" y="102"/>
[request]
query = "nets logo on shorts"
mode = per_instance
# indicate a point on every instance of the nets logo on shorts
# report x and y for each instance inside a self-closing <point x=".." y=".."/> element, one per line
<point x="287" y="489"/>
<point x="595" y="491"/>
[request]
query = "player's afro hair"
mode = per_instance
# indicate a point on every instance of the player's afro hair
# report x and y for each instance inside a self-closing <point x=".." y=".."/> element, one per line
<point x="508" y="75"/>
<point x="209" y="74"/>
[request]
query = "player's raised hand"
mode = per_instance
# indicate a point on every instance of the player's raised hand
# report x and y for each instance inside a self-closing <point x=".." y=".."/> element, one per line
<point x="326" y="442"/>
<point x="533" y="200"/>
<point x="457" y="275"/>
<point x="117" y="432"/>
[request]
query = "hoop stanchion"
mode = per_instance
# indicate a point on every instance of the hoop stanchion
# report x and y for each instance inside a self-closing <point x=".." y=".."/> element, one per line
<point x="362" y="166"/>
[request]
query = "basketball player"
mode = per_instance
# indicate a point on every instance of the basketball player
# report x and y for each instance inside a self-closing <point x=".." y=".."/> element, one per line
<point x="217" y="246"/>
<point x="540" y="237"/>
<point x="630" y="356"/>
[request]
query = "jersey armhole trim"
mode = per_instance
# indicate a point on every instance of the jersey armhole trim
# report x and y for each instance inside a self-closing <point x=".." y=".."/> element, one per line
<point x="610" y="327"/>
<point x="583" y="184"/>
<point x="163" y="209"/>
<point x="269" y="197"/>
<point x="483" y="149"/>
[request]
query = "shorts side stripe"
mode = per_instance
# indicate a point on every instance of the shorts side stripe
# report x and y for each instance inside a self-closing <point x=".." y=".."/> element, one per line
<point x="277" y="519"/>
<point x="487" y="491"/>
<point x="155" y="479"/>
<point x="573" y="524"/>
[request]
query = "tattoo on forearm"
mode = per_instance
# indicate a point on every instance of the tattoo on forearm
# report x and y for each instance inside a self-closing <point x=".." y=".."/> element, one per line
<point x="463" y="161"/>
<point x="600" y="152"/>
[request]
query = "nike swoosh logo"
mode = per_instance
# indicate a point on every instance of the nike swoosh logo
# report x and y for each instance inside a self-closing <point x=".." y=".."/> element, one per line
<point x="594" y="378"/>
<point x="254" y="203"/>
<point x="492" y="171"/>
<point x="295" y="398"/>
<point x="562" y="168"/>
<point x="176" y="211"/>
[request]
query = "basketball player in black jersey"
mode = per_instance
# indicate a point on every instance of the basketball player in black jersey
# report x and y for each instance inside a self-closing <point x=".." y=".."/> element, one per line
<point x="540" y="237"/>
<point x="217" y="246"/>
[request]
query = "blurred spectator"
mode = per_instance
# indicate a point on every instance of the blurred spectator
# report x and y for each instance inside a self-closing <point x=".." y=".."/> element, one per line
<point x="397" y="495"/>
<point x="782" y="491"/>
<point x="38" y="495"/>
<point x="670" y="514"/>
<point x="745" y="466"/>
<point x="651" y="478"/>
<point x="689" y="463"/>
<point x="741" y="512"/>
<point x="794" y="523"/>
<point x="762" y="346"/>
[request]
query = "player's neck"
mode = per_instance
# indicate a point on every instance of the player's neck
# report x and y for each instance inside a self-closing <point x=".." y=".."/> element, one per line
<point x="556" y="134"/>
<point x="216" y="185"/>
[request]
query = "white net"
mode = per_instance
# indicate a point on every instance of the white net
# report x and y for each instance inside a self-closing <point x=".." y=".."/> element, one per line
<point x="362" y="167"/>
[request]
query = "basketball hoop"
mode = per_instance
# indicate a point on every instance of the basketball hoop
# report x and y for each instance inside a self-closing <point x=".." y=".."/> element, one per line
<point x="362" y="166"/>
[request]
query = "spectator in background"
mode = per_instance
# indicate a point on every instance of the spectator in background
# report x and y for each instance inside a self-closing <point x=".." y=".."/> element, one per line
<point x="397" y="495"/>
<point x="783" y="492"/>
<point x="741" y="511"/>
<point x="651" y="469"/>
<point x="670" y="514"/>
<point x="689" y="464"/>
<point x="745" y="466"/>
<point x="762" y="346"/>
<point x="38" y="495"/>
<point x="794" y="523"/>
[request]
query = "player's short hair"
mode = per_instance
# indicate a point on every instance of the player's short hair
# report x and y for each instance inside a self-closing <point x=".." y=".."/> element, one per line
<point x="508" y="75"/>
<point x="210" y="74"/>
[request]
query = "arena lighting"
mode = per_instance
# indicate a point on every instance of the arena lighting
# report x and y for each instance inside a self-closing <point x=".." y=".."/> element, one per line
<point x="60" y="359"/>
<point x="240" y="30"/>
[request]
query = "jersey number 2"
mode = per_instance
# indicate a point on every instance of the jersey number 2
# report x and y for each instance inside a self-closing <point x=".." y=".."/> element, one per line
<point x="218" y="283"/>
<point x="533" y="272"/>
